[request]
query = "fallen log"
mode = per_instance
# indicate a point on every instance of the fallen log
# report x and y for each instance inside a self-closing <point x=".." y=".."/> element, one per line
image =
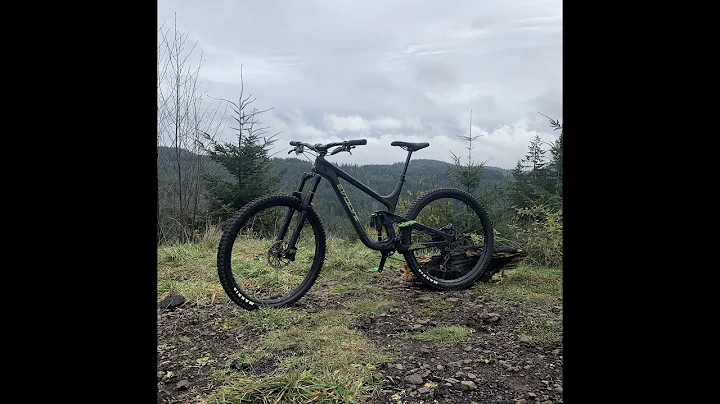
<point x="462" y="259"/>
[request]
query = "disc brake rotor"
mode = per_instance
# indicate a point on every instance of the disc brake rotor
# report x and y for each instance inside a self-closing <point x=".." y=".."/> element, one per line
<point x="275" y="256"/>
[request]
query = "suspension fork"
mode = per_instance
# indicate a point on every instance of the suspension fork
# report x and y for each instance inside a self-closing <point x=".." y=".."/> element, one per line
<point x="302" y="216"/>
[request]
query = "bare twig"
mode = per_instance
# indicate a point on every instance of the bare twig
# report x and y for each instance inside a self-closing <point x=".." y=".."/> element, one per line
<point x="183" y="121"/>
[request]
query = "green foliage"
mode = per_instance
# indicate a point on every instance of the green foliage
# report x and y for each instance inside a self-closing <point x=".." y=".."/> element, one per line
<point x="246" y="160"/>
<point x="527" y="284"/>
<point x="536" y="199"/>
<point x="495" y="199"/>
<point x="539" y="230"/>
<point x="534" y="182"/>
<point x="466" y="177"/>
<point x="556" y="151"/>
<point x="248" y="164"/>
<point x="538" y="179"/>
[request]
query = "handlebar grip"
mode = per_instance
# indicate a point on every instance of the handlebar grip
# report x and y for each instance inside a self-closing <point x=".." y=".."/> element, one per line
<point x="294" y="143"/>
<point x="358" y="142"/>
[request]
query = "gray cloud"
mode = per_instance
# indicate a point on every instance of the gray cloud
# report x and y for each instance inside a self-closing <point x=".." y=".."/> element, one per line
<point x="387" y="69"/>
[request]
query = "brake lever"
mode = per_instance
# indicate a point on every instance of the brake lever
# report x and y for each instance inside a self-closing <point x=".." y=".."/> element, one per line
<point x="297" y="149"/>
<point x="342" y="149"/>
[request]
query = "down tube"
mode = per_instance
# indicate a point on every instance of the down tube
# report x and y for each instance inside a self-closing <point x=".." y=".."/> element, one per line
<point x="354" y="219"/>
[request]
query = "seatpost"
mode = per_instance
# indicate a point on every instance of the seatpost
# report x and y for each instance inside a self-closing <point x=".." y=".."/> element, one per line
<point x="407" y="162"/>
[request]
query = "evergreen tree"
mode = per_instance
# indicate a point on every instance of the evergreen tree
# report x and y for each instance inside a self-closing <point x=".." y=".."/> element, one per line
<point x="535" y="160"/>
<point x="532" y="176"/>
<point x="467" y="177"/>
<point x="520" y="188"/>
<point x="247" y="161"/>
<point x="537" y="179"/>
<point x="556" y="150"/>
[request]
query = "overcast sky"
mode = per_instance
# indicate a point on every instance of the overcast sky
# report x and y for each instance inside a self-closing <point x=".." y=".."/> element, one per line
<point x="387" y="70"/>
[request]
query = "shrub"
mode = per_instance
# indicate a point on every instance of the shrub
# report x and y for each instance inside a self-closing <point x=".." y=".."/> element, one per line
<point x="540" y="231"/>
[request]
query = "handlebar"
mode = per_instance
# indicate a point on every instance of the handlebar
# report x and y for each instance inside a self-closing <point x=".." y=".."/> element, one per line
<point x="323" y="148"/>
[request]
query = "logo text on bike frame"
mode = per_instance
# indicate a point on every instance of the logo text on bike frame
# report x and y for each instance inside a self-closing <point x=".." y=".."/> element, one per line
<point x="347" y="201"/>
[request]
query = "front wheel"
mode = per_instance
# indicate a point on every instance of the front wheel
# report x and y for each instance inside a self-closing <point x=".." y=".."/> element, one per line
<point x="255" y="265"/>
<point x="462" y="262"/>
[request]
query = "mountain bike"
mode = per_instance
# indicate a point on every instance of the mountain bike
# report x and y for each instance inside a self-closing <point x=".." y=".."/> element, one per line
<point x="272" y="250"/>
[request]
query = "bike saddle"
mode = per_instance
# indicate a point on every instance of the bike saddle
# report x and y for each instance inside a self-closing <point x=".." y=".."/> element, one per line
<point x="410" y="146"/>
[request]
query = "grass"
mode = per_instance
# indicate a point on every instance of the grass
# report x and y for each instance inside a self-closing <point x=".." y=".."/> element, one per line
<point x="434" y="307"/>
<point x="344" y="258"/>
<point x="543" y="330"/>
<point x="347" y="265"/>
<point x="318" y="357"/>
<point x="292" y="387"/>
<point x="369" y="307"/>
<point x="190" y="270"/>
<point x="527" y="284"/>
<point x="446" y="335"/>
<point x="249" y="263"/>
<point x="248" y="356"/>
<point x="330" y="317"/>
<point x="353" y="283"/>
<point x="263" y="320"/>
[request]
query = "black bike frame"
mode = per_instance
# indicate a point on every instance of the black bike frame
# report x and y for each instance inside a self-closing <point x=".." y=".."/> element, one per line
<point x="324" y="169"/>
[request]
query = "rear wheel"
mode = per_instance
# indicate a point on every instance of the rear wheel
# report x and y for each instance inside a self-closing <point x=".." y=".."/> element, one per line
<point x="255" y="269"/>
<point x="462" y="262"/>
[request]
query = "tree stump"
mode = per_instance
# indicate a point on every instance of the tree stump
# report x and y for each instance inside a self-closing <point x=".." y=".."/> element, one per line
<point x="464" y="258"/>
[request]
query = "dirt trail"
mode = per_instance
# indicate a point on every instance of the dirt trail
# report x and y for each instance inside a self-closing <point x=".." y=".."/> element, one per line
<point x="499" y="362"/>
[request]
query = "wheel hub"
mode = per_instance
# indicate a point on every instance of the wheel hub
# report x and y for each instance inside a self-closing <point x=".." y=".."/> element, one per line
<point x="276" y="256"/>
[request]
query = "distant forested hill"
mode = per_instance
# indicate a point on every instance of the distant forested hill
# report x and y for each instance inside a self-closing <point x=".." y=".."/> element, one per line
<point x="422" y="174"/>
